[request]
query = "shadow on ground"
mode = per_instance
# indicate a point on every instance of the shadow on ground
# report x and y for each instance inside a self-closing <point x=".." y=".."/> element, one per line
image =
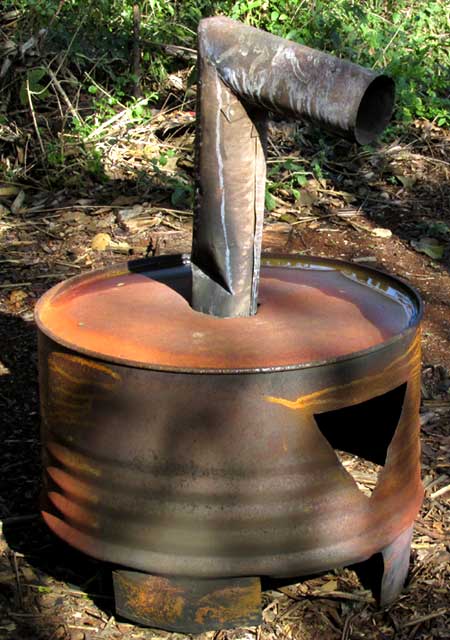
<point x="35" y="567"/>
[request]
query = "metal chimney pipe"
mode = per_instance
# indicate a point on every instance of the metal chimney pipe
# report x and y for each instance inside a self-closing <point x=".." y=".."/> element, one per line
<point x="243" y="74"/>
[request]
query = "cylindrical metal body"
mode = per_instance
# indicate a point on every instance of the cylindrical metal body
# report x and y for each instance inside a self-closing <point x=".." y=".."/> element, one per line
<point x="286" y="77"/>
<point x="186" y="444"/>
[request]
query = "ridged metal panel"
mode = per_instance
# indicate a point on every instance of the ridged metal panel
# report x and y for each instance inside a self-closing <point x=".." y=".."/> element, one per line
<point x="211" y="474"/>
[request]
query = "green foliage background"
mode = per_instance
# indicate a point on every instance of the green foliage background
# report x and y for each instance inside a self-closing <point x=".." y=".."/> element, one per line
<point x="408" y="38"/>
<point x="85" y="49"/>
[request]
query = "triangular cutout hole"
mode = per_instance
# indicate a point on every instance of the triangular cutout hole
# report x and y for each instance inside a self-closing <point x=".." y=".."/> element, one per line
<point x="361" y="434"/>
<point x="364" y="472"/>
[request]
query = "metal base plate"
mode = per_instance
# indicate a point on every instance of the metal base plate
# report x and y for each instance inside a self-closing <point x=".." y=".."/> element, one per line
<point x="188" y="605"/>
<point x="194" y="605"/>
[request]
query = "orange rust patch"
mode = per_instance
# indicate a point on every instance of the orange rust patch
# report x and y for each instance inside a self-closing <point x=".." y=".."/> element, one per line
<point x="73" y="486"/>
<point x="72" y="460"/>
<point x="229" y="604"/>
<point x="154" y="597"/>
<point x="73" y="511"/>
<point x="305" y="315"/>
<point x="79" y="370"/>
<point x="407" y="364"/>
<point x="74" y="382"/>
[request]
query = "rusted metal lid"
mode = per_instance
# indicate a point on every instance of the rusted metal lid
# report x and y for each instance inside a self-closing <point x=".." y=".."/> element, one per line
<point x="310" y="311"/>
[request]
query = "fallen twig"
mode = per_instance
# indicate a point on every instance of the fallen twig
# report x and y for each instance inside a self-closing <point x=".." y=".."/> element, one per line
<point x="429" y="616"/>
<point x="137" y="67"/>
<point x="115" y="118"/>
<point x="33" y="117"/>
<point x="18" y="582"/>
<point x="15" y="285"/>
<point x="64" y="95"/>
<point x="440" y="492"/>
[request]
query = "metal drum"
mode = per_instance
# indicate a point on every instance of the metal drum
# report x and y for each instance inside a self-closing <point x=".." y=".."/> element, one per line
<point x="183" y="444"/>
<point x="192" y="411"/>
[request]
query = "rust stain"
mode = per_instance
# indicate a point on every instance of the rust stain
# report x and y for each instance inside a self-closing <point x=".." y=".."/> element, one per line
<point x="65" y="404"/>
<point x="73" y="486"/>
<point x="295" y="303"/>
<point x="231" y="603"/>
<point x="154" y="598"/>
<point x="73" y="381"/>
<point x="410" y="360"/>
<point x="73" y="460"/>
<point x="63" y="390"/>
<point x="73" y="511"/>
<point x="56" y="363"/>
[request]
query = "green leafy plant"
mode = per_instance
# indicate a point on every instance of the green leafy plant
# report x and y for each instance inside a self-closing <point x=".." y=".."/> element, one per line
<point x="90" y="43"/>
<point x="32" y="85"/>
<point x="288" y="177"/>
<point x="435" y="229"/>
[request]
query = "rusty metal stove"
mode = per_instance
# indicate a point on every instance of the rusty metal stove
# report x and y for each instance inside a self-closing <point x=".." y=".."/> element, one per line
<point x="192" y="407"/>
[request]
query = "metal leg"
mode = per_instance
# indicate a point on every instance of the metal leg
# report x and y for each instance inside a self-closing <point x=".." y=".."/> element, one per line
<point x="385" y="572"/>
<point x="396" y="563"/>
<point x="188" y="605"/>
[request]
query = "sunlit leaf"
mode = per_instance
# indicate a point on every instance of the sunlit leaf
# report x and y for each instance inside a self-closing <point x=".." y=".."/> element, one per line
<point x="430" y="246"/>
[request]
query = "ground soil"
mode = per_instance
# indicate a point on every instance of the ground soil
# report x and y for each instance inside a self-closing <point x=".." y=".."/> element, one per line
<point x="48" y="591"/>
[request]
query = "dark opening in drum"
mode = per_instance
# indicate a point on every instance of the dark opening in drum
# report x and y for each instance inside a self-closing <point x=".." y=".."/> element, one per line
<point x="361" y="434"/>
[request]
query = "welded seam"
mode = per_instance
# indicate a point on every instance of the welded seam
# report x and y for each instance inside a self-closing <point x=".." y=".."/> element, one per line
<point x="222" y="184"/>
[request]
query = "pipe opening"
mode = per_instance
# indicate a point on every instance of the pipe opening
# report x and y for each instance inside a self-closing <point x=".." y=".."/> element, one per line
<point x="375" y="109"/>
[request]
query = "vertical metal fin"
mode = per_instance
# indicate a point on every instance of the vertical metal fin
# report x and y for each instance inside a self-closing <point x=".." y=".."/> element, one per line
<point x="229" y="201"/>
